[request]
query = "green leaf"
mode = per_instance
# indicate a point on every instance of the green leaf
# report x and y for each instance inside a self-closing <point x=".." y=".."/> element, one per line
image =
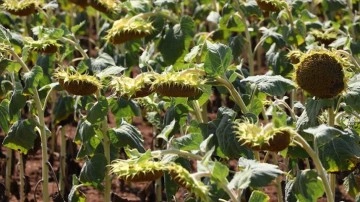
<point x="110" y="71"/>
<point x="64" y="107"/>
<point x="165" y="133"/>
<point x="4" y="115"/>
<point x="76" y="28"/>
<point x="172" y="45"/>
<point x="308" y="186"/>
<point x="256" y="104"/>
<point x="188" y="142"/>
<point x="241" y="179"/>
<point x="261" y="173"/>
<point x="272" y="85"/>
<point x="4" y="63"/>
<point x="338" y="150"/>
<point x="219" y="173"/>
<point x="352" y="94"/>
<point x="270" y="35"/>
<point x="17" y="102"/>
<point x="217" y="59"/>
<point x="88" y="138"/>
<point x="351" y="184"/>
<point x="126" y="135"/>
<point x="98" y="111"/>
<point x="191" y="55"/>
<point x="21" y="136"/>
<point x="32" y="79"/>
<point x="102" y="62"/>
<point x="94" y="170"/>
<point x="258" y="196"/>
<point x="124" y="108"/>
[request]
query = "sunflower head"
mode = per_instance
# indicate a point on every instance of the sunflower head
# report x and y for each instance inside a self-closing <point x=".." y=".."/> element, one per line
<point x="43" y="45"/>
<point x="82" y="3"/>
<point x="294" y="56"/>
<point x="179" y="84"/>
<point x="137" y="171"/>
<point x="262" y="138"/>
<point x="140" y="86"/>
<point x="20" y="8"/>
<point x="271" y="5"/>
<point x="104" y="6"/>
<point x="127" y="29"/>
<point x="76" y="83"/>
<point x="321" y="73"/>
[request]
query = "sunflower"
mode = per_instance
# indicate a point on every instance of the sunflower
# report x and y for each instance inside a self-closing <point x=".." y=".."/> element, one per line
<point x="20" y="8"/>
<point x="321" y="73"/>
<point x="271" y="5"/>
<point x="127" y="29"/>
<point x="44" y="45"/>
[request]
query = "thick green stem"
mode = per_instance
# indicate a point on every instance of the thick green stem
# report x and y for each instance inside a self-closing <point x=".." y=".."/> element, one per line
<point x="77" y="46"/>
<point x="320" y="169"/>
<point x="8" y="172"/>
<point x="331" y="122"/>
<point x="278" y="181"/>
<point x="197" y="111"/>
<point x="41" y="126"/>
<point x="233" y="92"/>
<point x="250" y="53"/>
<point x="22" y="177"/>
<point x="106" y="144"/>
<point x="62" y="161"/>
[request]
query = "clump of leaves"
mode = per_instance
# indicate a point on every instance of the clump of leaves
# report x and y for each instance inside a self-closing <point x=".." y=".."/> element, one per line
<point x="179" y="84"/>
<point x="20" y="8"/>
<point x="321" y="73"/>
<point x="76" y="83"/>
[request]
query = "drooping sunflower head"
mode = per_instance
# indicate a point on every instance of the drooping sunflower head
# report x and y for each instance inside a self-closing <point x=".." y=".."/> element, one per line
<point x="325" y="38"/>
<point x="104" y="6"/>
<point x="271" y="5"/>
<point x="137" y="171"/>
<point x="179" y="84"/>
<point x="20" y="8"/>
<point x="140" y="86"/>
<point x="322" y="73"/>
<point x="82" y="3"/>
<point x="127" y="29"/>
<point x="43" y="45"/>
<point x="76" y="83"/>
<point x="294" y="56"/>
<point x="184" y="179"/>
<point x="262" y="138"/>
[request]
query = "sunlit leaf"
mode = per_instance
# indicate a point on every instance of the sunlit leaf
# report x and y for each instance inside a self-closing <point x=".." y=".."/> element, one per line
<point x="165" y="133"/>
<point x="308" y="187"/>
<point x="272" y="85"/>
<point x="21" y="136"/>
<point x="258" y="196"/>
<point x="218" y="58"/>
<point x="126" y="135"/>
<point x="188" y="142"/>
<point x="32" y="79"/>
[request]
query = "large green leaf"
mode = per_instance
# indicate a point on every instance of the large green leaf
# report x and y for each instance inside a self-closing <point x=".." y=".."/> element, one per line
<point x="261" y="173"/>
<point x="338" y="150"/>
<point x="272" y="85"/>
<point x="64" y="107"/>
<point x="219" y="173"/>
<point x="21" y="136"/>
<point x="98" y="111"/>
<point x="126" y="135"/>
<point x="4" y="115"/>
<point x="218" y="58"/>
<point x="94" y="170"/>
<point x="17" y="102"/>
<point x="188" y="142"/>
<point x="124" y="108"/>
<point x="258" y="196"/>
<point x="88" y="137"/>
<point x="308" y="186"/>
<point x="352" y="94"/>
<point x="102" y="62"/>
<point x="241" y="179"/>
<point x="32" y="79"/>
<point x="351" y="184"/>
<point x="166" y="131"/>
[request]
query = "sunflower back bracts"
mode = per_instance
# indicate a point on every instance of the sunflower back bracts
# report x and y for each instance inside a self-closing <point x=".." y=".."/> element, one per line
<point x="78" y="84"/>
<point x="127" y="29"/>
<point x="179" y="84"/>
<point x="20" y="8"/>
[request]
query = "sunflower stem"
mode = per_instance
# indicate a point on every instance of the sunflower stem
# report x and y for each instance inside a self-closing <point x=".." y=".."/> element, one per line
<point x="234" y="93"/>
<point x="22" y="177"/>
<point x="278" y="180"/>
<point x="197" y="111"/>
<point x="320" y="169"/>
<point x="331" y="122"/>
<point x="77" y="46"/>
<point x="42" y="131"/>
<point x="9" y="157"/>
<point x="62" y="161"/>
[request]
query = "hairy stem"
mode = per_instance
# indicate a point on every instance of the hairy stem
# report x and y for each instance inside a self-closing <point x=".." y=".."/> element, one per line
<point x="42" y="130"/>
<point x="278" y="181"/>
<point x="62" y="161"/>
<point x="331" y="122"/>
<point x="9" y="157"/>
<point x="197" y="111"/>
<point x="22" y="177"/>
<point x="320" y="169"/>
